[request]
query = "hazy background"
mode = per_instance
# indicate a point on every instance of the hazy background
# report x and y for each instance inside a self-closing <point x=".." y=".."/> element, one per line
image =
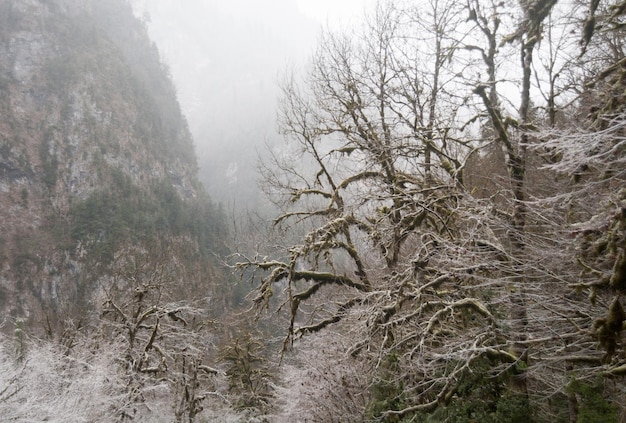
<point x="226" y="58"/>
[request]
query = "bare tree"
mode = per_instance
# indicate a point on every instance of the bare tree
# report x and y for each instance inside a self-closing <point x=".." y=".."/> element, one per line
<point x="455" y="302"/>
<point x="165" y="343"/>
<point x="48" y="384"/>
<point x="405" y="253"/>
<point x="541" y="231"/>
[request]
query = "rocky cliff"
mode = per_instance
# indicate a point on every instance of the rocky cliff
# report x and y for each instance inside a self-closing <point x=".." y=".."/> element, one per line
<point x="96" y="161"/>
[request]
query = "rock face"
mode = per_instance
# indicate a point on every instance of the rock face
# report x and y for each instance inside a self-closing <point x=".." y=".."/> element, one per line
<point x="95" y="156"/>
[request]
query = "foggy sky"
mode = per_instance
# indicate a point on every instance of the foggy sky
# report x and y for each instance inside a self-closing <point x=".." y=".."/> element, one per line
<point x="226" y="58"/>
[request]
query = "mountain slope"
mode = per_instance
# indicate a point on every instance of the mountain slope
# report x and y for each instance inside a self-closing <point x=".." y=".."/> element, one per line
<point x="96" y="159"/>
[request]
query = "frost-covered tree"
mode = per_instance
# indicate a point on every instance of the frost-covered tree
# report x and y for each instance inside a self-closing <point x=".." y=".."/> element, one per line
<point x="407" y="255"/>
<point x="456" y="299"/>
<point x="164" y="344"/>
<point x="45" y="383"/>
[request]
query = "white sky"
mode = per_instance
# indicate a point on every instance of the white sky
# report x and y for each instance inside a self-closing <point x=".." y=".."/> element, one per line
<point x="334" y="12"/>
<point x="226" y="58"/>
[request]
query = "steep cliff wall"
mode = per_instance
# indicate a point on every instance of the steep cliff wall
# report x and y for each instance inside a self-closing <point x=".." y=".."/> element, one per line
<point x="96" y="159"/>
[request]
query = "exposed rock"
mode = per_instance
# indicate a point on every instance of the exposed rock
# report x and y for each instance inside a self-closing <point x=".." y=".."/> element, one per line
<point x="95" y="154"/>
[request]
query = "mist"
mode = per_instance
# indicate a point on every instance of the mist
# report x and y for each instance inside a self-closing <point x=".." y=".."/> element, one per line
<point x="226" y="60"/>
<point x="444" y="237"/>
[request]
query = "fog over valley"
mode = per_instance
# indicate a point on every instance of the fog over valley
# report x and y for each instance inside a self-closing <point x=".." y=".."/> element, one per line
<point x="227" y="59"/>
<point x="313" y="211"/>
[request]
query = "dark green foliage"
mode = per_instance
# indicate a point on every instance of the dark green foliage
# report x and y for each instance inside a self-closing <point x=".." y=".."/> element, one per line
<point x="108" y="216"/>
<point x="171" y="207"/>
<point x="211" y="228"/>
<point x="28" y="262"/>
<point x="49" y="163"/>
<point x="247" y="371"/>
<point x="24" y="197"/>
<point x="123" y="212"/>
<point x="618" y="280"/>
<point x="483" y="397"/>
<point x="488" y="400"/>
<point x="593" y="407"/>
<point x="198" y="218"/>
<point x="386" y="393"/>
<point x="3" y="297"/>
<point x="513" y="408"/>
<point x="509" y="408"/>
<point x="99" y="219"/>
<point x="608" y="329"/>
